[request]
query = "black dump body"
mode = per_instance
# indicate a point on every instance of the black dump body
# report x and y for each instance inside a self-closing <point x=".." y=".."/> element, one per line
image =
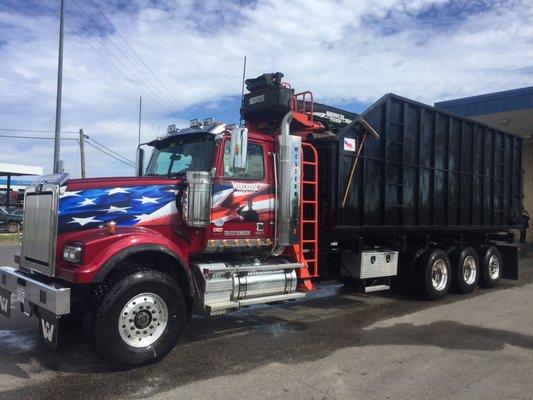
<point x="430" y="171"/>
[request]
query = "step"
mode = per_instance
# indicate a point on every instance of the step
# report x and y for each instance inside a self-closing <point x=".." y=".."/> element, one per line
<point x="218" y="308"/>
<point x="376" y="288"/>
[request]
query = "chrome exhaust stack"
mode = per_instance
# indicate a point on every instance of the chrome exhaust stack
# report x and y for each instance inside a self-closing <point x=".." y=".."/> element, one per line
<point x="288" y="200"/>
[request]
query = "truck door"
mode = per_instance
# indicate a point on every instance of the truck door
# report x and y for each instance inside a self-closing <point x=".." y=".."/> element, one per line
<point x="243" y="202"/>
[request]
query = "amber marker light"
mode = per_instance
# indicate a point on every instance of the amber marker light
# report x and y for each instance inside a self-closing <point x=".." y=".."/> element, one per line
<point x="111" y="227"/>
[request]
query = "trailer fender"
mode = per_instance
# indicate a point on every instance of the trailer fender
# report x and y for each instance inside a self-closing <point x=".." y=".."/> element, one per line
<point x="509" y="253"/>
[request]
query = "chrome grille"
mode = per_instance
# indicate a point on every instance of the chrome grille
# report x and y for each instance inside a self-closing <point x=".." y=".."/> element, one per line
<point x="40" y="228"/>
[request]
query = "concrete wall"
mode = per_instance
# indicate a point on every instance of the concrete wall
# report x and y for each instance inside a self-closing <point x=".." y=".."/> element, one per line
<point x="528" y="186"/>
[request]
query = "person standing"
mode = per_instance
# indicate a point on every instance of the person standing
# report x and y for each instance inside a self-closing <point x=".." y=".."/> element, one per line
<point x="525" y="226"/>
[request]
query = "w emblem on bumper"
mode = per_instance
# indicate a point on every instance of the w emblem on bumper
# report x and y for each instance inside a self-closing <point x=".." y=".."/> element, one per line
<point x="4" y="304"/>
<point x="48" y="330"/>
<point x="5" y="300"/>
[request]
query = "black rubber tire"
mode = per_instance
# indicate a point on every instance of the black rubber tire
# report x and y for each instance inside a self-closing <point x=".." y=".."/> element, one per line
<point x="485" y="254"/>
<point x="424" y="283"/>
<point x="458" y="259"/>
<point x="103" y="325"/>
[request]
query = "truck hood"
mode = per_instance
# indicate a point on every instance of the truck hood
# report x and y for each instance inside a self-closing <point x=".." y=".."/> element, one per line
<point x="92" y="203"/>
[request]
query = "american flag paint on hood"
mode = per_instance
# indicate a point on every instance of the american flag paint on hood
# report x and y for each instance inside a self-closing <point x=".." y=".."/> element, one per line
<point x="126" y="206"/>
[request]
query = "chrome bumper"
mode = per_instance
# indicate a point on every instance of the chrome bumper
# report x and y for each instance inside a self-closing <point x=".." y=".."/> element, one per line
<point x="51" y="297"/>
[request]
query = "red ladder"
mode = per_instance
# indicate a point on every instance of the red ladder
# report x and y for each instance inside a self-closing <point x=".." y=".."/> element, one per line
<point x="307" y="250"/>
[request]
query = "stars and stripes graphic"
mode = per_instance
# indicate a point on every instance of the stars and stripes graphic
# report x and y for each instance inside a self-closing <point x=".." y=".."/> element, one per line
<point x="126" y="206"/>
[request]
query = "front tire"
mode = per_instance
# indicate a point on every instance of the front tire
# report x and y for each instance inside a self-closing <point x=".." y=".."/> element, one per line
<point x="139" y="319"/>
<point x="434" y="274"/>
<point x="465" y="269"/>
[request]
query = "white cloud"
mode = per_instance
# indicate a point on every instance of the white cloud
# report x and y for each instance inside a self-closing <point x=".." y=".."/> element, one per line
<point x="345" y="51"/>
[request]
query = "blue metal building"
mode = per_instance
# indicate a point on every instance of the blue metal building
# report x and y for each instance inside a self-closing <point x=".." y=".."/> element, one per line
<point x="511" y="110"/>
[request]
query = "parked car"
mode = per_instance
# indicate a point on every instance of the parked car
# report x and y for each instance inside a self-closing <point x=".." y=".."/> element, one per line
<point x="9" y="222"/>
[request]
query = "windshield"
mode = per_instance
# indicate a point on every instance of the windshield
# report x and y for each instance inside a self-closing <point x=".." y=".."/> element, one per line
<point x="178" y="155"/>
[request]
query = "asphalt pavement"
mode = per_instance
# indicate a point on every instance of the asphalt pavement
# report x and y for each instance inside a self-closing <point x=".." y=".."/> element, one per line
<point x="335" y="344"/>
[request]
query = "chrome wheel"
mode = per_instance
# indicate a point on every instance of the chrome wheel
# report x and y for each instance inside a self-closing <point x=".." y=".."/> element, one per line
<point x="494" y="267"/>
<point x="469" y="270"/>
<point x="143" y="320"/>
<point x="439" y="275"/>
<point x="13" y="228"/>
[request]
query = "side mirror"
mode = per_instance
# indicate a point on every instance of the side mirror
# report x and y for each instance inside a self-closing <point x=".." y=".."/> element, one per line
<point x="139" y="162"/>
<point x="239" y="148"/>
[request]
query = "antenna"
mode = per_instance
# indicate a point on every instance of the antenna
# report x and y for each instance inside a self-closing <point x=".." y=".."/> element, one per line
<point x="243" y="78"/>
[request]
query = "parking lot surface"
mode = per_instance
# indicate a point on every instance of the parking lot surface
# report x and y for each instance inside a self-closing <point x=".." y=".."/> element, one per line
<point x="335" y="344"/>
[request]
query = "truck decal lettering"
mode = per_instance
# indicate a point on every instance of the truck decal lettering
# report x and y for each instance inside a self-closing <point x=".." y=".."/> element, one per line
<point x="237" y="233"/>
<point x="245" y="187"/>
<point x="256" y="99"/>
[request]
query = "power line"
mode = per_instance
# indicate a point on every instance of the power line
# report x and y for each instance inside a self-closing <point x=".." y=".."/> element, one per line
<point x="128" y="163"/>
<point x="164" y="95"/>
<point x="127" y="78"/>
<point x="108" y="149"/>
<point x="32" y="130"/>
<point x="35" y="137"/>
<point x="118" y="59"/>
<point x="124" y="160"/>
<point x="110" y="155"/>
<point x="136" y="54"/>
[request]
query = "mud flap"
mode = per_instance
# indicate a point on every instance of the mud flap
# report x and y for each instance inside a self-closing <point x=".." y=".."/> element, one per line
<point x="5" y="303"/>
<point x="49" y="327"/>
<point x="509" y="254"/>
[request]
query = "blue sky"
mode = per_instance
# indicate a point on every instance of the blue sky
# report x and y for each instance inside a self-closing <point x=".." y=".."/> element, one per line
<point x="349" y="53"/>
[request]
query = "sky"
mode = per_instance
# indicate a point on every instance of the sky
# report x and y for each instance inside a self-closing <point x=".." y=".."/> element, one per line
<point x="185" y="59"/>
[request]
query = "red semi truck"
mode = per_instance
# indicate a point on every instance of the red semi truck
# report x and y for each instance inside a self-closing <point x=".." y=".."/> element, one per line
<point x="228" y="216"/>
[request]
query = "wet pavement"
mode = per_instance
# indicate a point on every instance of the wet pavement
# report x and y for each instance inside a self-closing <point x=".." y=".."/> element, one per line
<point x="334" y="344"/>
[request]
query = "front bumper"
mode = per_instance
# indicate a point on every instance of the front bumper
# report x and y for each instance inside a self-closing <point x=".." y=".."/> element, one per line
<point x="48" y="296"/>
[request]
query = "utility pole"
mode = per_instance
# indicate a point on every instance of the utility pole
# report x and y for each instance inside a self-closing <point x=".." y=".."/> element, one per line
<point x="140" y="114"/>
<point x="82" y="153"/>
<point x="58" y="165"/>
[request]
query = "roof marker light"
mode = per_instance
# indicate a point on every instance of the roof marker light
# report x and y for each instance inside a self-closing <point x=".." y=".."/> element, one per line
<point x="195" y="123"/>
<point x="171" y="129"/>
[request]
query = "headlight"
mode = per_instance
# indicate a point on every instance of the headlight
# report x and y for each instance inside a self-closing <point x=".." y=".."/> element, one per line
<point x="72" y="254"/>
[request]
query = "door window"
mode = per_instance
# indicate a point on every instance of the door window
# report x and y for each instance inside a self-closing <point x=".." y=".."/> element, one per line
<point x="255" y="167"/>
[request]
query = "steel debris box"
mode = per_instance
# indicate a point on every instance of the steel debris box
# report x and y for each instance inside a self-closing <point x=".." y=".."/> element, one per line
<point x="430" y="170"/>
